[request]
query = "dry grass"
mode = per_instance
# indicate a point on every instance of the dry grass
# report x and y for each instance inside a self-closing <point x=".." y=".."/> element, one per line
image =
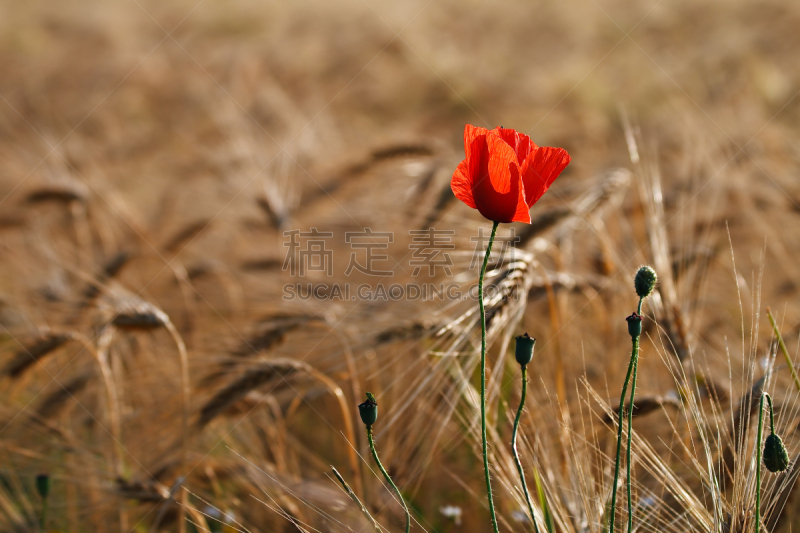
<point x="152" y="154"/>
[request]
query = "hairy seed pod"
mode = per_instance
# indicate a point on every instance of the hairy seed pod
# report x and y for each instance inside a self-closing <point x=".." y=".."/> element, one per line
<point x="645" y="281"/>
<point x="634" y="325"/>
<point x="43" y="485"/>
<point x="524" y="349"/>
<point x="368" y="410"/>
<point x="775" y="457"/>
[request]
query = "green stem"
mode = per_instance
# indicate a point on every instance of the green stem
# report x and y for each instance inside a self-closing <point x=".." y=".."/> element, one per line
<point x="631" y="365"/>
<point x="635" y="357"/>
<point x="386" y="475"/>
<point x="514" y="448"/>
<point x="771" y="413"/>
<point x="43" y="518"/>
<point x="483" y="378"/>
<point x="630" y="432"/>
<point x="758" y="459"/>
<point x="619" y="447"/>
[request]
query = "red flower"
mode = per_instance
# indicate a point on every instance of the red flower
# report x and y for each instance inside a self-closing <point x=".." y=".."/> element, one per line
<point x="504" y="173"/>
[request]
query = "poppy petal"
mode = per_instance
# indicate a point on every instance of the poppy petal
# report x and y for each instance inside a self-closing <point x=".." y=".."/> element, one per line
<point x="474" y="145"/>
<point x="520" y="142"/>
<point x="461" y="185"/>
<point x="504" y="173"/>
<point x="470" y="133"/>
<point x="497" y="187"/>
<point x="523" y="212"/>
<point x="540" y="169"/>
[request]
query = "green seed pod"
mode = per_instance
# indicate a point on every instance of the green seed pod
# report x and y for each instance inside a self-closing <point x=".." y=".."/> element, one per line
<point x="645" y="281"/>
<point x="43" y="485"/>
<point x="634" y="325"/>
<point x="524" y="349"/>
<point x="775" y="457"/>
<point x="368" y="410"/>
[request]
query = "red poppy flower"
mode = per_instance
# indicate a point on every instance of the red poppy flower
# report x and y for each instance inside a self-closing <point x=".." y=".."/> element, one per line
<point x="504" y="173"/>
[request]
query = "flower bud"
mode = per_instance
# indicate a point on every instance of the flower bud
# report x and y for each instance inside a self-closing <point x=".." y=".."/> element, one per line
<point x="634" y="325"/>
<point x="645" y="281"/>
<point x="775" y="457"/>
<point x="43" y="485"/>
<point x="524" y="349"/>
<point x="368" y="410"/>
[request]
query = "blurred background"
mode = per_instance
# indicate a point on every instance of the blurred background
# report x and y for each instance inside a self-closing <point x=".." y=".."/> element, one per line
<point x="153" y="156"/>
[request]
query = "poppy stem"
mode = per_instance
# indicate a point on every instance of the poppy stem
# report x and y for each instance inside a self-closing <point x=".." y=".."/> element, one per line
<point x="619" y="444"/>
<point x="632" y="366"/>
<point x="388" y="478"/>
<point x="43" y="517"/>
<point x="483" y="377"/>
<point x="514" y="447"/>
<point x="635" y="356"/>
<point x="630" y="435"/>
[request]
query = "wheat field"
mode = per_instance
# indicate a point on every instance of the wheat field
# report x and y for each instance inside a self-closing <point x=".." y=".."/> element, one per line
<point x="167" y="371"/>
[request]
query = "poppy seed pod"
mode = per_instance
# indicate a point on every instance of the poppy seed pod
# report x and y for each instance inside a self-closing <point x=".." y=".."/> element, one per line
<point x="524" y="349"/>
<point x="645" y="281"/>
<point x="368" y="410"/>
<point x="775" y="457"/>
<point x="634" y="325"/>
<point x="43" y="485"/>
